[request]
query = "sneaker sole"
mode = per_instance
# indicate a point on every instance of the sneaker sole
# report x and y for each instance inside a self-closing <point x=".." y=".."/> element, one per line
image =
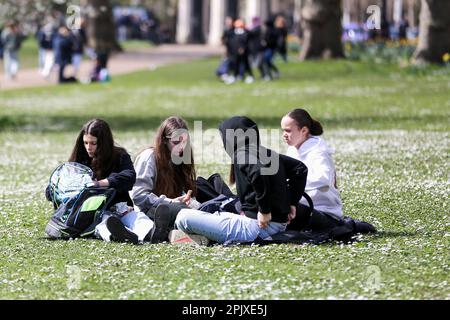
<point x="162" y="221"/>
<point x="192" y="239"/>
<point x="119" y="232"/>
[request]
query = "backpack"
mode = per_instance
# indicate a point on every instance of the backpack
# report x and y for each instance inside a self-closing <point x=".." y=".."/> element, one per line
<point x="66" y="181"/>
<point x="79" y="216"/>
<point x="344" y="231"/>
<point x="78" y="207"/>
<point x="221" y="203"/>
<point x="214" y="186"/>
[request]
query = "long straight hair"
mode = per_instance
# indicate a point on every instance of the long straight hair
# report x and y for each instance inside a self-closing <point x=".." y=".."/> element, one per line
<point x="173" y="179"/>
<point x="105" y="153"/>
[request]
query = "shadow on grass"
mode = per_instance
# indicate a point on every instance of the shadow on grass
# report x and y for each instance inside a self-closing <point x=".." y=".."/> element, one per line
<point x="396" y="234"/>
<point x="73" y="123"/>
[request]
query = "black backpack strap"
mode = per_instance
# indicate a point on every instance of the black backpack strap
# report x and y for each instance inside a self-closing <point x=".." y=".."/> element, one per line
<point x="309" y="200"/>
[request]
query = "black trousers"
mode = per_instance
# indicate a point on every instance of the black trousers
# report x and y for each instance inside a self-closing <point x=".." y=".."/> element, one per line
<point x="174" y="209"/>
<point x="61" y="77"/>
<point x="315" y="220"/>
<point x="238" y="61"/>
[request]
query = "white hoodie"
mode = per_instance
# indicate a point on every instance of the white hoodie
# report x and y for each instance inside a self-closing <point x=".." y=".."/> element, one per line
<point x="321" y="181"/>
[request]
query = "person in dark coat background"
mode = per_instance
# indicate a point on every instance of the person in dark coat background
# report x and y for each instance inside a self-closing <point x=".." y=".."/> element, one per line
<point x="282" y="33"/>
<point x="269" y="46"/>
<point x="238" y="44"/>
<point x="63" y="46"/>
<point x="254" y="43"/>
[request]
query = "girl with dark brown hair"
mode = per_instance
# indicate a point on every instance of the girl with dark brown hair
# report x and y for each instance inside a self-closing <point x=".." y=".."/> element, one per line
<point x="112" y="168"/>
<point x="112" y="165"/>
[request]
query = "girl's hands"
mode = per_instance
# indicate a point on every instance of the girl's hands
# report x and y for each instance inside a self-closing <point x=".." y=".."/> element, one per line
<point x="186" y="199"/>
<point x="292" y="214"/>
<point x="264" y="219"/>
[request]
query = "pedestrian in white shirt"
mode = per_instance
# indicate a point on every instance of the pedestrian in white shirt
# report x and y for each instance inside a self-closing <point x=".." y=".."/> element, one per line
<point x="302" y="134"/>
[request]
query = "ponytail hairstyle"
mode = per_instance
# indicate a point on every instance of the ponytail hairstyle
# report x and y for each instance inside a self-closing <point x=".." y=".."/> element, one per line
<point x="303" y="119"/>
<point x="106" y="151"/>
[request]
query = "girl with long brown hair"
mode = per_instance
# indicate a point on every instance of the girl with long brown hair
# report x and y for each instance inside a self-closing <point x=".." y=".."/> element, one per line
<point x="165" y="176"/>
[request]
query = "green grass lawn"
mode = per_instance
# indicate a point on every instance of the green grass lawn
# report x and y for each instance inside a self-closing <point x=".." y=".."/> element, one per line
<point x="390" y="129"/>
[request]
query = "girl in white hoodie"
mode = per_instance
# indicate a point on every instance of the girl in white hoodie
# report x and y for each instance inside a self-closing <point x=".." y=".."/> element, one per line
<point x="302" y="134"/>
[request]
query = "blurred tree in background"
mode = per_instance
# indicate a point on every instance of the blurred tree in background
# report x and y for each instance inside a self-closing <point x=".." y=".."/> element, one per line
<point x="322" y="29"/>
<point x="321" y="23"/>
<point x="100" y="26"/>
<point x="434" y="31"/>
<point x="29" y="13"/>
<point x="97" y="15"/>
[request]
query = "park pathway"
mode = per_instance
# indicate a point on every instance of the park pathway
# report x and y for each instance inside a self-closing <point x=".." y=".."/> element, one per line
<point x="121" y="63"/>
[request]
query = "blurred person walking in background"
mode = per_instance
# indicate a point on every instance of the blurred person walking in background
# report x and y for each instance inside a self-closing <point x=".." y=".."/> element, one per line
<point x="282" y="32"/>
<point x="254" y="43"/>
<point x="63" y="53"/>
<point x="269" y="45"/>
<point x="78" y="43"/>
<point x="11" y="39"/>
<point x="239" y="53"/>
<point x="45" y="37"/>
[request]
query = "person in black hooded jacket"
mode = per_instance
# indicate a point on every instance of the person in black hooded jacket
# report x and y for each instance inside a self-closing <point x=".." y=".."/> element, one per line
<point x="269" y="186"/>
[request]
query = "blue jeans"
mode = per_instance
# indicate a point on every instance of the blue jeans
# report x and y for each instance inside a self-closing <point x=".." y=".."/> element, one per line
<point x="11" y="63"/>
<point x="225" y="227"/>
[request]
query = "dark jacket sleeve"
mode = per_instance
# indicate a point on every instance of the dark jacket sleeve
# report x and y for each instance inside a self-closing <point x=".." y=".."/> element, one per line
<point x="296" y="174"/>
<point x="125" y="177"/>
<point x="48" y="195"/>
<point x="261" y="185"/>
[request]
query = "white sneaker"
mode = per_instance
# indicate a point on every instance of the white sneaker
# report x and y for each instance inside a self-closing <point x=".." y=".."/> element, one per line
<point x="180" y="237"/>
<point x="230" y="80"/>
<point x="249" y="79"/>
<point x="267" y="78"/>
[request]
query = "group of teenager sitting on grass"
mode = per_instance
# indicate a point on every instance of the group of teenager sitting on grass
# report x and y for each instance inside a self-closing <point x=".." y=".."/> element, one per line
<point x="159" y="188"/>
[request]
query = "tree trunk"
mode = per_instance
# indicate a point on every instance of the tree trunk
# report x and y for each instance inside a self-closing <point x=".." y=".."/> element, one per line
<point x="322" y="29"/>
<point x="434" y="31"/>
<point x="100" y="26"/>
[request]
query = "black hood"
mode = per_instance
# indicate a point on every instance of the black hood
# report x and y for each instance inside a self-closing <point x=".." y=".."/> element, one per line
<point x="243" y="134"/>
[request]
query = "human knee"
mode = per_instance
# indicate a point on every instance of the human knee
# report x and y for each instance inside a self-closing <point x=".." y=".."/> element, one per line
<point x="181" y="221"/>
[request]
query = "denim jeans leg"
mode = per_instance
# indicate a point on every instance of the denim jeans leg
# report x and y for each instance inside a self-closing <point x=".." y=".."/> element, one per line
<point x="272" y="228"/>
<point x="222" y="227"/>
